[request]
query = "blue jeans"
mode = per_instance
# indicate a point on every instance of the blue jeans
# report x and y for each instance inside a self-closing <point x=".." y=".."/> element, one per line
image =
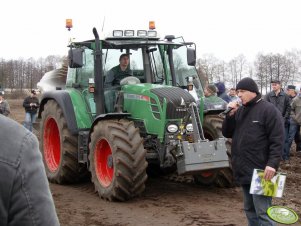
<point x="255" y="207"/>
<point x="293" y="129"/>
<point x="30" y="118"/>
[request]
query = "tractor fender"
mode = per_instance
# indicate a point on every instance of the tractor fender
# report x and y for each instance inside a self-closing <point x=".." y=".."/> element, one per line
<point x="64" y="101"/>
<point x="213" y="112"/>
<point x="107" y="116"/>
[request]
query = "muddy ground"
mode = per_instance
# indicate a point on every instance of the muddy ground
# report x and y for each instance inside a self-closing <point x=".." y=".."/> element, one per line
<point x="163" y="202"/>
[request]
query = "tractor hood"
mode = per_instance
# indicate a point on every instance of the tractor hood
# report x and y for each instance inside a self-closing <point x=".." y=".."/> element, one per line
<point x="176" y="99"/>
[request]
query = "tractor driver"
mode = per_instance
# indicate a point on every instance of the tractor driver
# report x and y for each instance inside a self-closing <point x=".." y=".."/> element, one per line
<point x="117" y="73"/>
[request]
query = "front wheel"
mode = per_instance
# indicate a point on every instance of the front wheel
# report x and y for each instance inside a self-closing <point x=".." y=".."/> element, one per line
<point x="117" y="160"/>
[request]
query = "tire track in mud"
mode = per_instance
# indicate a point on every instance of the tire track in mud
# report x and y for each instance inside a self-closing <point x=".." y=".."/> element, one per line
<point x="177" y="196"/>
<point x="86" y="187"/>
<point x="164" y="199"/>
<point x="202" y="219"/>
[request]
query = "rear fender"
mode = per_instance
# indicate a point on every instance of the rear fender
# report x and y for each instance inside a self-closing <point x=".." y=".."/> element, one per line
<point x="64" y="101"/>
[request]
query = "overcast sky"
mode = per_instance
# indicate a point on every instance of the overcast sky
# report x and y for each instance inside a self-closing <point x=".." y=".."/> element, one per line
<point x="224" y="28"/>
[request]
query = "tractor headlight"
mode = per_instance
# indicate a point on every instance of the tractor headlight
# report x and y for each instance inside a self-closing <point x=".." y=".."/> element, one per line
<point x="189" y="127"/>
<point x="172" y="128"/>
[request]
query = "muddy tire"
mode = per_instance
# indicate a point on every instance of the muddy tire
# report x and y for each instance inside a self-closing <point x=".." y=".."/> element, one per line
<point x="117" y="160"/>
<point x="212" y="127"/>
<point x="59" y="147"/>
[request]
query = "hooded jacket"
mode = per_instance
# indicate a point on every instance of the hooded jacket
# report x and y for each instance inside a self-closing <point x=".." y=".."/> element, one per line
<point x="222" y="92"/>
<point x="257" y="134"/>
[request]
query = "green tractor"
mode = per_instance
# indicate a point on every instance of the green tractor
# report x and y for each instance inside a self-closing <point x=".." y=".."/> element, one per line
<point x="153" y="119"/>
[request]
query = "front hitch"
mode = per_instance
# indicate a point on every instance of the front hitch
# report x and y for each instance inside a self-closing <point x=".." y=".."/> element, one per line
<point x="202" y="154"/>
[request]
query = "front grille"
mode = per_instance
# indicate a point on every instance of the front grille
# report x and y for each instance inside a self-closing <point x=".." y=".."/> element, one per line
<point x="177" y="101"/>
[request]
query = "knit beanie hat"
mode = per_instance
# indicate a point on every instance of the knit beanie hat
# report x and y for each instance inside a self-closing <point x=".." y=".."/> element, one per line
<point x="247" y="84"/>
<point x="211" y="88"/>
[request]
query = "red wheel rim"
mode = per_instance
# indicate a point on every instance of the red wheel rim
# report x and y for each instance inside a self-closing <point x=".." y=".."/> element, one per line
<point x="207" y="174"/>
<point x="51" y="145"/>
<point x="103" y="161"/>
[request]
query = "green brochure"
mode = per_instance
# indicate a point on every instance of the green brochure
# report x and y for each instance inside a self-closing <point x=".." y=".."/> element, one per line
<point x="273" y="187"/>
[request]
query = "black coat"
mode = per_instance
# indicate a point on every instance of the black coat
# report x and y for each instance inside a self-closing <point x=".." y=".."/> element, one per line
<point x="281" y="101"/>
<point x="257" y="134"/>
<point x="31" y="100"/>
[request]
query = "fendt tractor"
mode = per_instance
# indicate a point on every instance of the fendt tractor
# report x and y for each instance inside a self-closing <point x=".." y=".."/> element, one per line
<point x="154" y="119"/>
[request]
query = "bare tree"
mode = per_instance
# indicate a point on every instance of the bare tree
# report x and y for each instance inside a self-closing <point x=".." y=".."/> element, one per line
<point x="209" y="64"/>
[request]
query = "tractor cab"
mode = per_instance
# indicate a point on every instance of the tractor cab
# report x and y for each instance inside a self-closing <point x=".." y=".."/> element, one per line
<point x="159" y="62"/>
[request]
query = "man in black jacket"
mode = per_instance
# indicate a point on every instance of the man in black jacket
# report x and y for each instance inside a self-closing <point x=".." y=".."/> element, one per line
<point x="282" y="102"/>
<point x="31" y="105"/>
<point x="257" y="133"/>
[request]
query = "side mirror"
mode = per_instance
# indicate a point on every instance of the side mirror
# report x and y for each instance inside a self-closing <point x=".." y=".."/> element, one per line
<point x="191" y="57"/>
<point x="75" y="57"/>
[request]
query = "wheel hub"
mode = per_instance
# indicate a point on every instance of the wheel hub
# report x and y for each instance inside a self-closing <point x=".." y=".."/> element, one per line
<point x="51" y="145"/>
<point x="104" y="165"/>
<point x="110" y="161"/>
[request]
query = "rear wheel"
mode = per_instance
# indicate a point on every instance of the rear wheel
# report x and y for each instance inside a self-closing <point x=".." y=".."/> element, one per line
<point x="59" y="147"/>
<point x="117" y="160"/>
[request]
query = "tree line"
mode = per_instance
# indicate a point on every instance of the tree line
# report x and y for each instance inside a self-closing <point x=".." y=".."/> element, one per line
<point x="25" y="73"/>
<point x="266" y="67"/>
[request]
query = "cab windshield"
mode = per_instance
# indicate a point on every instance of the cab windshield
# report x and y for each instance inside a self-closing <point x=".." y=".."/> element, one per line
<point x="150" y="62"/>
